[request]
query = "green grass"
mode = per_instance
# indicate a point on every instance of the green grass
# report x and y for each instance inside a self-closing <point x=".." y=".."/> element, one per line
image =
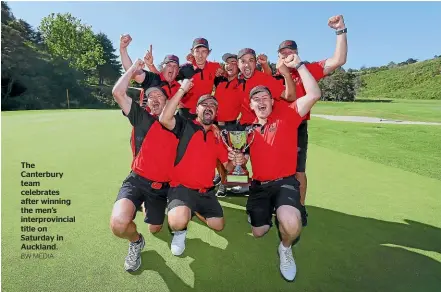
<point x="420" y="80"/>
<point x="374" y="224"/>
<point x="404" y="110"/>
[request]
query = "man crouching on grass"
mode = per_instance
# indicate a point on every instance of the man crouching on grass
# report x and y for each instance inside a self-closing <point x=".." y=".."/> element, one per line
<point x="274" y="186"/>
<point x="191" y="187"/>
<point x="148" y="182"/>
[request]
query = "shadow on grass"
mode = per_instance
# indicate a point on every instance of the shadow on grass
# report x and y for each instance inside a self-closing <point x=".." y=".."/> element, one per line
<point x="338" y="252"/>
<point x="373" y="100"/>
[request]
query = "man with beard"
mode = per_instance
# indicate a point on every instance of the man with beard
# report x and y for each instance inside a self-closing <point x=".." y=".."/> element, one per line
<point x="199" y="149"/>
<point x="318" y="70"/>
<point x="274" y="187"/>
<point x="149" y="179"/>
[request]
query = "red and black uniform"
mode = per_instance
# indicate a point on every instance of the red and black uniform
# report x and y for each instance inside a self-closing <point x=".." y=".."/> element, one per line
<point x="274" y="183"/>
<point x="316" y="70"/>
<point x="152" y="165"/>
<point x="192" y="177"/>
<point x="203" y="83"/>
<point x="229" y="95"/>
<point x="258" y="78"/>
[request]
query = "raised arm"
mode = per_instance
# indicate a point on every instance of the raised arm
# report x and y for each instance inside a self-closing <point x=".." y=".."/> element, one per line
<point x="148" y="59"/>
<point x="313" y="92"/>
<point x="262" y="59"/>
<point x="125" y="40"/>
<point x="167" y="118"/>
<point x="119" y="91"/>
<point x="290" y="86"/>
<point x="341" y="48"/>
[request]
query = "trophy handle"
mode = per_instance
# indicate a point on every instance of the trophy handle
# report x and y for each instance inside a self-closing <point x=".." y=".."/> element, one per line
<point x="252" y="139"/>
<point x="223" y="134"/>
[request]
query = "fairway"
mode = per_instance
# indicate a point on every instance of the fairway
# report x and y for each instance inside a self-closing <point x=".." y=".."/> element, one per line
<point x="397" y="109"/>
<point x="374" y="204"/>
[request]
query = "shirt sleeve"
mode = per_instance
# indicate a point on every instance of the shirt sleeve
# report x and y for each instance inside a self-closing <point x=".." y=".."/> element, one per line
<point x="180" y="124"/>
<point x="151" y="79"/>
<point x="291" y="113"/>
<point x="222" y="152"/>
<point x="276" y="87"/>
<point x="317" y="69"/>
<point x="139" y="117"/>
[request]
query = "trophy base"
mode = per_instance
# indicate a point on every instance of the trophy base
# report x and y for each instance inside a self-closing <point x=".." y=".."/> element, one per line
<point x="237" y="180"/>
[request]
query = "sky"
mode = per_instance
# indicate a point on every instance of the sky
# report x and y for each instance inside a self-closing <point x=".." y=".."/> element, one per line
<point x="378" y="32"/>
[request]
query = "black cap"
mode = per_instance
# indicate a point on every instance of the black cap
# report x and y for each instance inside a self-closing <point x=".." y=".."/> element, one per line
<point x="171" y="58"/>
<point x="205" y="97"/>
<point x="226" y="56"/>
<point x="200" y="42"/>
<point x="259" y="88"/>
<point x="245" y="51"/>
<point x="288" y="44"/>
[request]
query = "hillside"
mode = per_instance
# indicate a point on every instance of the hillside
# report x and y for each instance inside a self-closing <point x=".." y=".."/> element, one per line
<point x="420" y="80"/>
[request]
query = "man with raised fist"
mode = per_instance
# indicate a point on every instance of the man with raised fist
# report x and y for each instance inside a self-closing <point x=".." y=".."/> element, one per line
<point x="318" y="70"/>
<point x="274" y="187"/>
<point x="152" y="166"/>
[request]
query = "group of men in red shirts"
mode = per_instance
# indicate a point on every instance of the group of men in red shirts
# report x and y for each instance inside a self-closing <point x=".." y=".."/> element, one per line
<point x="175" y="154"/>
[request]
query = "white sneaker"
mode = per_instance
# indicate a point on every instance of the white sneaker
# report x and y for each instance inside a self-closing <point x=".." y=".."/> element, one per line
<point x="240" y="189"/>
<point x="288" y="267"/>
<point x="178" y="242"/>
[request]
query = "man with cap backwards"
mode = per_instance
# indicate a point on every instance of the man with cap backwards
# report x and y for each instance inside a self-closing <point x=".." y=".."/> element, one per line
<point x="318" y="70"/>
<point x="274" y="187"/>
<point x="148" y="182"/>
<point x="199" y="148"/>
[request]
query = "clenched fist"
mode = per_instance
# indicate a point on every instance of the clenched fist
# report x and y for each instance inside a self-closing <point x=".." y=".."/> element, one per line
<point x="291" y="61"/>
<point x="336" y="22"/>
<point x="138" y="65"/>
<point x="262" y="59"/>
<point x="283" y="69"/>
<point x="187" y="84"/>
<point x="124" y="41"/>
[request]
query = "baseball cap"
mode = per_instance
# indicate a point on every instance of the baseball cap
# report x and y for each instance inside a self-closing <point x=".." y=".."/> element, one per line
<point x="200" y="42"/>
<point x="226" y="56"/>
<point x="151" y="89"/>
<point x="245" y="51"/>
<point x="171" y="58"/>
<point x="206" y="97"/>
<point x="259" y="88"/>
<point x="288" y="44"/>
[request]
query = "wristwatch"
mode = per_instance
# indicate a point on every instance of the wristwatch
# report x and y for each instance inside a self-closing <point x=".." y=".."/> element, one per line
<point x="299" y="64"/>
<point x="340" y="31"/>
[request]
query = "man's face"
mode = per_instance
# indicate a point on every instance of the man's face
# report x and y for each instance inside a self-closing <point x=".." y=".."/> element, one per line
<point x="206" y="111"/>
<point x="200" y="54"/>
<point x="170" y="71"/>
<point x="156" y="102"/>
<point x="262" y="104"/>
<point x="231" y="67"/>
<point x="247" y="65"/>
<point x="286" y="52"/>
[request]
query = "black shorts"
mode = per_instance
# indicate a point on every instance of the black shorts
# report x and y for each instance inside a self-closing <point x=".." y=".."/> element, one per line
<point x="264" y="199"/>
<point x="185" y="113"/>
<point x="139" y="190"/>
<point x="302" y="146"/>
<point x="205" y="204"/>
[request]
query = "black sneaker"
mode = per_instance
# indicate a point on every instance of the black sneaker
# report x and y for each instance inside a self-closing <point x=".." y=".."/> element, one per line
<point x="217" y="180"/>
<point x="133" y="259"/>
<point x="221" y="191"/>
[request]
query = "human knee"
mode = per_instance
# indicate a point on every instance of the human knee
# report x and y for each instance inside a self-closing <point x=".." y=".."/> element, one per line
<point x="291" y="225"/>
<point x="155" y="228"/>
<point x="178" y="219"/>
<point x="119" y="225"/>
<point x="259" y="231"/>
<point x="217" y="225"/>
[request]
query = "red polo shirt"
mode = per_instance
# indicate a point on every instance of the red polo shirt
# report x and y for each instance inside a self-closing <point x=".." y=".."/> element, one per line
<point x="203" y="82"/>
<point x="197" y="154"/>
<point x="258" y="78"/>
<point x="155" y="152"/>
<point x="229" y="97"/>
<point x="273" y="153"/>
<point x="316" y="70"/>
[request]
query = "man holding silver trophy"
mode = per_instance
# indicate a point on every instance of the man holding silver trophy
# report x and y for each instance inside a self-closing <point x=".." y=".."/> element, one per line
<point x="274" y="187"/>
<point x="199" y="148"/>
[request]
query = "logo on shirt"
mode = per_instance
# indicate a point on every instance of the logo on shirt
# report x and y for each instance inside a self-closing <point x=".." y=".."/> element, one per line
<point x="272" y="128"/>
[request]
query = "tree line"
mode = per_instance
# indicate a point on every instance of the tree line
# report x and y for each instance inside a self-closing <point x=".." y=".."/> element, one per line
<point x="63" y="63"/>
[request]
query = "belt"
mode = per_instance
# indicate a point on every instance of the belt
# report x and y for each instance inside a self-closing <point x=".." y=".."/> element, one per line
<point x="203" y="191"/>
<point x="259" y="183"/>
<point x="153" y="184"/>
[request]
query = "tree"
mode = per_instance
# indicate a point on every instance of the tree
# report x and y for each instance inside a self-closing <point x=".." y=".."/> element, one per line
<point x="7" y="15"/>
<point x="66" y="37"/>
<point x="339" y="86"/>
<point x="111" y="69"/>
